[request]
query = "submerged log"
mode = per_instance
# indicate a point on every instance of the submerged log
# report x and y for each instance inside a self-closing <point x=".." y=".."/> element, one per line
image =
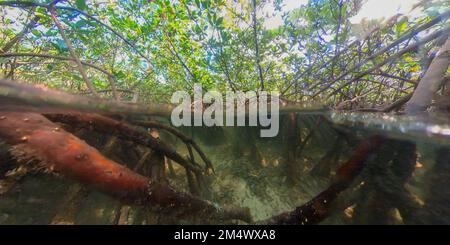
<point x="35" y="137"/>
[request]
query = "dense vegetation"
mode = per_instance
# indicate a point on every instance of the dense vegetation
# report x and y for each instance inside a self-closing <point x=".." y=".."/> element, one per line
<point x="149" y="49"/>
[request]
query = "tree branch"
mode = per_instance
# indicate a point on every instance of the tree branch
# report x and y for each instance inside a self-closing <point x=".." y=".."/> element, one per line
<point x="23" y="4"/>
<point x="255" y="37"/>
<point x="20" y="35"/>
<point x="397" y="55"/>
<point x="72" y="53"/>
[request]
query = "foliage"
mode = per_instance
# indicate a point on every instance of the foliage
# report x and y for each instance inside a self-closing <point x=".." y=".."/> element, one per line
<point x="167" y="45"/>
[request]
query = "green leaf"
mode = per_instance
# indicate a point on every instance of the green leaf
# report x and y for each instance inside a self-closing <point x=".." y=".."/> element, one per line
<point x="197" y="29"/>
<point x="402" y="26"/>
<point x="41" y="15"/>
<point x="36" y="33"/>
<point x="60" y="45"/>
<point x="81" y="4"/>
<point x="81" y="23"/>
<point x="51" y="32"/>
<point x="220" y="21"/>
<point x="50" y="66"/>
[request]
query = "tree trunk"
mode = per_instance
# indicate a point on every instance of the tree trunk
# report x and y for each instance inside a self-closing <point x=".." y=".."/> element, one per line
<point x="431" y="81"/>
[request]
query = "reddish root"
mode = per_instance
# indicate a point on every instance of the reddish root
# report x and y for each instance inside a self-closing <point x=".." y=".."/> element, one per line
<point x="35" y="137"/>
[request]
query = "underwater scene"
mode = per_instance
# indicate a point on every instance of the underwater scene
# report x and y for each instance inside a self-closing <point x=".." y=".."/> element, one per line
<point x="239" y="113"/>
<point x="322" y="168"/>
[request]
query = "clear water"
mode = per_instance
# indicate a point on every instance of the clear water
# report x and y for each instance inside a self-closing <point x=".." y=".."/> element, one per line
<point x="273" y="175"/>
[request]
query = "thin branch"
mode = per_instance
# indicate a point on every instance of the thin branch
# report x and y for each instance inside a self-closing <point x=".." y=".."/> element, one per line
<point x="32" y="4"/>
<point x="56" y="57"/>
<point x="20" y="35"/>
<point x="72" y="53"/>
<point x="111" y="78"/>
<point x="397" y="55"/>
<point x="393" y="106"/>
<point x="384" y="74"/>
<point x="255" y="37"/>
<point x="403" y="38"/>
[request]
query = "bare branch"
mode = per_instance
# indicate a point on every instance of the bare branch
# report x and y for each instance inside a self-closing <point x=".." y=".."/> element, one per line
<point x="72" y="53"/>
<point x="397" y="55"/>
<point x="20" y="35"/>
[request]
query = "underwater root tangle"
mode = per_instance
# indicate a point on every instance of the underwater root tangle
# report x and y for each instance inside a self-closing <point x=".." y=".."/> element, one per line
<point x="125" y="131"/>
<point x="318" y="208"/>
<point x="106" y="125"/>
<point x="34" y="138"/>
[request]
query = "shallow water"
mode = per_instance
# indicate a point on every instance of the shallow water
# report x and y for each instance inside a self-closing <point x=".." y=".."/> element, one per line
<point x="273" y="175"/>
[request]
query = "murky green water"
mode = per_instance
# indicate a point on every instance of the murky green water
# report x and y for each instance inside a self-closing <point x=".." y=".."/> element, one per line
<point x="273" y="175"/>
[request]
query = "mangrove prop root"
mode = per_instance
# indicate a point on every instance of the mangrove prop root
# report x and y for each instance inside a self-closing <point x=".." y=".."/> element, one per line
<point x="70" y="205"/>
<point x="317" y="209"/>
<point x="187" y="140"/>
<point x="130" y="132"/>
<point x="72" y="201"/>
<point x="12" y="178"/>
<point x="123" y="210"/>
<point x="38" y="138"/>
<point x="123" y="130"/>
<point x="193" y="187"/>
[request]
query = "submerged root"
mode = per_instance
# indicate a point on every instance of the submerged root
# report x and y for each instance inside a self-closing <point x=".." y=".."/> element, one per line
<point x="13" y="178"/>
<point x="63" y="153"/>
<point x="194" y="172"/>
<point x="318" y="208"/>
<point x="190" y="143"/>
<point x="70" y="205"/>
<point x="123" y="130"/>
